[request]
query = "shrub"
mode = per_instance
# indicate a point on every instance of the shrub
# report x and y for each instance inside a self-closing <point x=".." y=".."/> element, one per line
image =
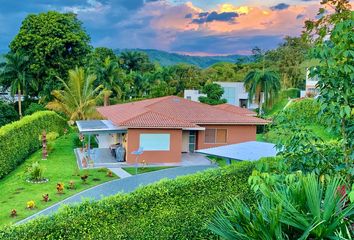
<point x="19" y="139"/>
<point x="290" y="93"/>
<point x="35" y="172"/>
<point x="34" y="107"/>
<point x="169" y="209"/>
<point x="305" y="111"/>
<point x="301" y="207"/>
<point x="8" y="113"/>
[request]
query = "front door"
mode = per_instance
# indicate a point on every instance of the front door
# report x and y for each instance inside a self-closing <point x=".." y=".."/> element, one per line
<point x="192" y="140"/>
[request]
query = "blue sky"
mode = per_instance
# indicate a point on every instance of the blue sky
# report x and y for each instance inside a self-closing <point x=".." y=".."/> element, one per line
<point x="196" y="27"/>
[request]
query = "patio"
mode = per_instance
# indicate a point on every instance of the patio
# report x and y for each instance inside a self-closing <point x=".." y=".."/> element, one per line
<point x="102" y="158"/>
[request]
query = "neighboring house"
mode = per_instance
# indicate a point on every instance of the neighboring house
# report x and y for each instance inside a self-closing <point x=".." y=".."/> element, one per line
<point x="310" y="86"/>
<point x="193" y="95"/>
<point x="168" y="126"/>
<point x="7" y="97"/>
<point x="234" y="93"/>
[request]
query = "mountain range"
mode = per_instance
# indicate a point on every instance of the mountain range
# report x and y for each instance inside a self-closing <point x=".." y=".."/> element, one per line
<point x="167" y="58"/>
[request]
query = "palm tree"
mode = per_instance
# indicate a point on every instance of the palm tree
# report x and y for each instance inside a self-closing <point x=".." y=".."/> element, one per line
<point x="109" y="75"/>
<point x="78" y="98"/>
<point x="135" y="61"/>
<point x="15" y="73"/>
<point x="262" y="81"/>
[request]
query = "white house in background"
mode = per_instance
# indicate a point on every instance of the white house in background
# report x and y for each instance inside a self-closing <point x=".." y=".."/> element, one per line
<point x="193" y="95"/>
<point x="234" y="93"/>
<point x="310" y="86"/>
<point x="6" y="96"/>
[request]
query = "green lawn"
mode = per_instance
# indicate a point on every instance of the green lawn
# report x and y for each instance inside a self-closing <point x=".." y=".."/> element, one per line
<point x="132" y="170"/>
<point x="277" y="107"/>
<point x="60" y="167"/>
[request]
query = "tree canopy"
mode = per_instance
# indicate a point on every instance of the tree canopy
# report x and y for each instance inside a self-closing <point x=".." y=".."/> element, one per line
<point x="54" y="42"/>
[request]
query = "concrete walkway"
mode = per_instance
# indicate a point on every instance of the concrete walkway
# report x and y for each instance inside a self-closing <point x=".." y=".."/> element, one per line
<point x="124" y="185"/>
<point x="121" y="173"/>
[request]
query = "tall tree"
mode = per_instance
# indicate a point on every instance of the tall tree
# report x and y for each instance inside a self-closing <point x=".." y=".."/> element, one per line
<point x="288" y="59"/>
<point x="332" y="36"/>
<point x="110" y="75"/>
<point x="55" y="42"/>
<point x="136" y="61"/>
<point x="78" y="98"/>
<point x="16" y="75"/>
<point x="264" y="83"/>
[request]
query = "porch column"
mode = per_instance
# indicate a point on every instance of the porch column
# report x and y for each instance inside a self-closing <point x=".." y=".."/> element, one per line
<point x="89" y="146"/>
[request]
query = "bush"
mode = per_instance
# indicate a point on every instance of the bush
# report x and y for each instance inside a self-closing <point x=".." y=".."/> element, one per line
<point x="8" y="113"/>
<point x="35" y="172"/>
<point x="290" y="93"/>
<point x="293" y="207"/>
<point x="170" y="209"/>
<point x="19" y="139"/>
<point x="34" y="107"/>
<point x="305" y="111"/>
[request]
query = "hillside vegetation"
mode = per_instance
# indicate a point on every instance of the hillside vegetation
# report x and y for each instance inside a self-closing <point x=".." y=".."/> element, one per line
<point x="168" y="59"/>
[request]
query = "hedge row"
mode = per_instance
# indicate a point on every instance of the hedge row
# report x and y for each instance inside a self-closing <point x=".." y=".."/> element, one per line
<point x="20" y="138"/>
<point x="169" y="209"/>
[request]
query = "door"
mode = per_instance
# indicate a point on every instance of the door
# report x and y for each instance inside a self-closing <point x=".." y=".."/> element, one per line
<point x="185" y="141"/>
<point x="192" y="140"/>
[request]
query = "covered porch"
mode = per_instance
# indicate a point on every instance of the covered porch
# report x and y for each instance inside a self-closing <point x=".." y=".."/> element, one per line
<point x="103" y="144"/>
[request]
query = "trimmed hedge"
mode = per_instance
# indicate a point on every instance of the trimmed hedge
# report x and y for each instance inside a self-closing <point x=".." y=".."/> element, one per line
<point x="19" y="139"/>
<point x="290" y="93"/>
<point x="169" y="209"/>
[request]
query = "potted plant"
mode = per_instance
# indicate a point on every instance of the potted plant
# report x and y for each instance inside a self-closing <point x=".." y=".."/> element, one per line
<point x="60" y="188"/>
<point x="31" y="205"/>
<point x="46" y="197"/>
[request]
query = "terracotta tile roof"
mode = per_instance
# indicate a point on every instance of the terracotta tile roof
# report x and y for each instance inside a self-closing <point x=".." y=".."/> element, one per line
<point x="172" y="112"/>
<point x="236" y="109"/>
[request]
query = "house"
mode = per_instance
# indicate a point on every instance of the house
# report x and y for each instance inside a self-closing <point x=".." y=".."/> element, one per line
<point x="168" y="126"/>
<point x="234" y="93"/>
<point x="311" y="89"/>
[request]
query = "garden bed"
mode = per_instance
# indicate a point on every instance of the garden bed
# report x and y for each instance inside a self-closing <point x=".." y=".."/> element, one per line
<point x="60" y="167"/>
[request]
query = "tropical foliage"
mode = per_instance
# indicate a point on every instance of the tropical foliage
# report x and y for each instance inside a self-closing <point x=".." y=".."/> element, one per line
<point x="55" y="43"/>
<point x="213" y="93"/>
<point x="78" y="98"/>
<point x="262" y="84"/>
<point x="16" y="76"/>
<point x="299" y="207"/>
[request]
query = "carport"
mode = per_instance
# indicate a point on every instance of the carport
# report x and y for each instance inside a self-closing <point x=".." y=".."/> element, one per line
<point x="246" y="151"/>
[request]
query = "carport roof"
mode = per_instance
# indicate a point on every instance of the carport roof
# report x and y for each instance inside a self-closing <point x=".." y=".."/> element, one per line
<point x="247" y="151"/>
<point x="98" y="126"/>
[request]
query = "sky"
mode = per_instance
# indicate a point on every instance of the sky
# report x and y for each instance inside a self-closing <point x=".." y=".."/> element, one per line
<point x="194" y="27"/>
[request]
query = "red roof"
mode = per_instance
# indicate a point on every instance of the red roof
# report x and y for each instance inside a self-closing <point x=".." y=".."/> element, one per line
<point x="236" y="109"/>
<point x="172" y="112"/>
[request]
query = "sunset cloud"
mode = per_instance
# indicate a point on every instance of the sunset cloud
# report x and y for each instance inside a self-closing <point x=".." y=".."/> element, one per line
<point x="195" y="27"/>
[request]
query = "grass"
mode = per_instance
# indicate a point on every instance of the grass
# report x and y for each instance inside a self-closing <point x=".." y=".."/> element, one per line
<point x="277" y="107"/>
<point x="132" y="170"/>
<point x="60" y="166"/>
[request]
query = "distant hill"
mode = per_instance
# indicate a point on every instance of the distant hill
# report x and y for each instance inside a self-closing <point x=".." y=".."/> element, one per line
<point x="166" y="58"/>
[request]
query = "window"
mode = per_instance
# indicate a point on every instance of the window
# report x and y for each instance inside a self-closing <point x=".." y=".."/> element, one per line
<point x="215" y="135"/>
<point x="155" y="142"/>
<point x="189" y="97"/>
<point x="229" y="94"/>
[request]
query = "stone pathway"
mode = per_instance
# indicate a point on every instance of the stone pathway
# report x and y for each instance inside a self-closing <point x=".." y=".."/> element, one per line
<point x="121" y="173"/>
<point x="123" y="185"/>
